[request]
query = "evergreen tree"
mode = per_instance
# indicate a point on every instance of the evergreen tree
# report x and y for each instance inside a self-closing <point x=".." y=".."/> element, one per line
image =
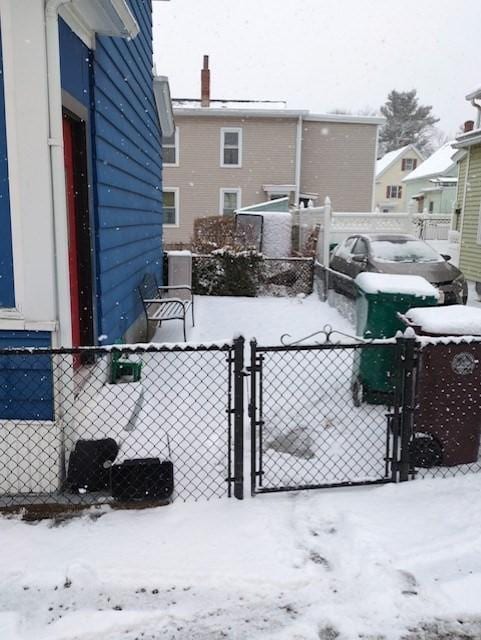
<point x="407" y="122"/>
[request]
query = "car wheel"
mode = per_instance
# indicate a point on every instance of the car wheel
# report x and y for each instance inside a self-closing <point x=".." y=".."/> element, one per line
<point x="425" y="451"/>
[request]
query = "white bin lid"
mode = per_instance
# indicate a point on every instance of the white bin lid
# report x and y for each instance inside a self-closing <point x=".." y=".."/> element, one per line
<point x="455" y="320"/>
<point x="391" y="283"/>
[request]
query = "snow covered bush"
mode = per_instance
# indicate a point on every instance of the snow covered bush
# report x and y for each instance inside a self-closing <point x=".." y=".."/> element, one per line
<point x="212" y="233"/>
<point x="233" y="272"/>
<point x="227" y="272"/>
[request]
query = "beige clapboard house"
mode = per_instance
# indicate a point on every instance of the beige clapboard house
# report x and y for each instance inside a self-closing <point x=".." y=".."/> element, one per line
<point x="391" y="170"/>
<point x="231" y="154"/>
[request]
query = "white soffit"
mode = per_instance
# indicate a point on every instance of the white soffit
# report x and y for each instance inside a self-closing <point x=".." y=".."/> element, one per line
<point x="103" y="17"/>
<point x="164" y="105"/>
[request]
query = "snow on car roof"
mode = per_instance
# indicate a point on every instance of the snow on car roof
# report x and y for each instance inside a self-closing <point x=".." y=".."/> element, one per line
<point x="455" y="320"/>
<point x="388" y="283"/>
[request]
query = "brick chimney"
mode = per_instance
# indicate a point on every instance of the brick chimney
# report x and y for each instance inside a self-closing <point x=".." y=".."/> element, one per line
<point x="205" y="83"/>
<point x="468" y="126"/>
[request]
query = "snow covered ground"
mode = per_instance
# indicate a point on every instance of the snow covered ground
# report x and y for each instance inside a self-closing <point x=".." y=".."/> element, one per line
<point x="377" y="563"/>
<point x="399" y="561"/>
<point x="266" y="319"/>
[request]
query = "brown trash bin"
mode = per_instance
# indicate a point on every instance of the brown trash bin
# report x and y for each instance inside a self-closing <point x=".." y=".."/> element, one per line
<point x="447" y="419"/>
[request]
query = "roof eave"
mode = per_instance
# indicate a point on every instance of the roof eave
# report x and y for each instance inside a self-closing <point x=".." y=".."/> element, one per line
<point x="468" y="139"/>
<point x="276" y="113"/>
<point x="229" y="113"/>
<point x="474" y="94"/>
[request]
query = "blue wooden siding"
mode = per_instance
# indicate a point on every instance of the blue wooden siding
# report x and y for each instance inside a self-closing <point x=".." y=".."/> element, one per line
<point x="7" y="292"/>
<point x="75" y="65"/>
<point x="26" y="381"/>
<point x="128" y="168"/>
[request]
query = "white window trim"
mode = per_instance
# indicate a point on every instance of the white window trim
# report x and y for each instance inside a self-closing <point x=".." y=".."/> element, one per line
<point x="225" y="190"/>
<point x="176" y="192"/>
<point x="177" y="151"/>
<point x="223" y="131"/>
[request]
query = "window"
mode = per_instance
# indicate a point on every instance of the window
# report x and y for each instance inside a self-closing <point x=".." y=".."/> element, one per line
<point x="171" y="207"/>
<point x="170" y="149"/>
<point x="360" y="248"/>
<point x="230" y="200"/>
<point x="394" y="192"/>
<point x="409" y="164"/>
<point x="343" y="250"/>
<point x="230" y="147"/>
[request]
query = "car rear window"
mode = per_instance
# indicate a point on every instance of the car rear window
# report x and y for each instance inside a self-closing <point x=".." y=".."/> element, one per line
<point x="404" y="251"/>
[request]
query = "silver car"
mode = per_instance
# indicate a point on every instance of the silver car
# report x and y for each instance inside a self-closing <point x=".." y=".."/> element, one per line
<point x="398" y="254"/>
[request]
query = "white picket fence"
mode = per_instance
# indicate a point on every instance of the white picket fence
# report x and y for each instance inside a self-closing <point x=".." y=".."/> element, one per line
<point x="336" y="226"/>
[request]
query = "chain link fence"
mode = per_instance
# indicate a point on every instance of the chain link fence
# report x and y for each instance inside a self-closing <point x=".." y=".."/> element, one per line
<point x="107" y="425"/>
<point x="251" y="274"/>
<point x="312" y="425"/>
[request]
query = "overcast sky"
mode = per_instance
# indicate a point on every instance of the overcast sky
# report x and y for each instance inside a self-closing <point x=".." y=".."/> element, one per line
<point x="323" y="54"/>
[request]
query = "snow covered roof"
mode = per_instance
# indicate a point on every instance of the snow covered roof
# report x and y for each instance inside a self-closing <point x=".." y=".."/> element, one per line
<point x="263" y="108"/>
<point x="441" y="161"/>
<point x="391" y="157"/>
<point x="193" y="103"/>
<point x="388" y="159"/>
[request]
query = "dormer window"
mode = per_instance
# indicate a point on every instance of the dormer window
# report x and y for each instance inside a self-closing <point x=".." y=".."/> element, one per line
<point x="409" y="164"/>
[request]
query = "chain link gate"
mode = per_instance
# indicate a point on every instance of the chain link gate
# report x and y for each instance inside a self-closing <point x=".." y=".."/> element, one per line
<point x="65" y="430"/>
<point x="310" y="428"/>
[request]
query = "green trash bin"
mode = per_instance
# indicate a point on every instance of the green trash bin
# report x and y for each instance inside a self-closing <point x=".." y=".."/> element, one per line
<point x="380" y="297"/>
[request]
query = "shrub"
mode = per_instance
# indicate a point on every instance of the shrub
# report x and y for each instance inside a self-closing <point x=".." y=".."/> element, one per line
<point x="227" y="272"/>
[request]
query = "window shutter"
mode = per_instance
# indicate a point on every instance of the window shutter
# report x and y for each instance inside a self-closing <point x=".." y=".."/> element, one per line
<point x="399" y="192"/>
<point x="403" y="166"/>
<point x="388" y="192"/>
<point x="415" y="164"/>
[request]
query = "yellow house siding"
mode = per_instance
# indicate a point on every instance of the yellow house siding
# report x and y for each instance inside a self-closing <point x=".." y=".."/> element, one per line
<point x="462" y="166"/>
<point x="394" y="176"/>
<point x="470" y="251"/>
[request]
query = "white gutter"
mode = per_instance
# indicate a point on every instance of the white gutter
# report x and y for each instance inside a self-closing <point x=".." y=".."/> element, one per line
<point x="465" y="194"/>
<point x="59" y="196"/>
<point x="374" y="177"/>
<point x="297" y="178"/>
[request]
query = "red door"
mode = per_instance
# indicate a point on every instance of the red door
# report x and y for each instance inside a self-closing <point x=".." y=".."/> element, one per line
<point x="69" y="159"/>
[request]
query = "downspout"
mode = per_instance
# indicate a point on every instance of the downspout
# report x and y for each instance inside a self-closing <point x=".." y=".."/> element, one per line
<point x="465" y="193"/>
<point x="376" y="150"/>
<point x="57" y="169"/>
<point x="297" y="178"/>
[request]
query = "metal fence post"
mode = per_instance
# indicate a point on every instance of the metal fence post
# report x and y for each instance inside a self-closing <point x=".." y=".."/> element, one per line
<point x="239" y="418"/>
<point x="408" y="348"/>
<point x="253" y="414"/>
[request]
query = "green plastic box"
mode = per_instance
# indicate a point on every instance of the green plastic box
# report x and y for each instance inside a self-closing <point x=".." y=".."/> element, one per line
<point x="380" y="298"/>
